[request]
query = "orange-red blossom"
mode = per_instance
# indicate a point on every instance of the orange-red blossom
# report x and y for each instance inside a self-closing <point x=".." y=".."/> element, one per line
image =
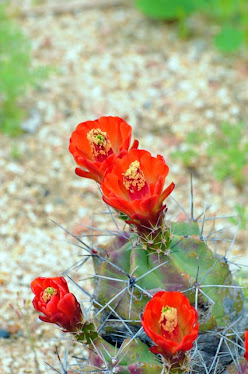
<point x="134" y="185"/>
<point x="171" y="323"/>
<point x="95" y="144"/>
<point x="58" y="305"/>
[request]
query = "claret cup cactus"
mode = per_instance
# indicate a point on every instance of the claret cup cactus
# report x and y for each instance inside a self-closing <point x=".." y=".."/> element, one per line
<point x="163" y="301"/>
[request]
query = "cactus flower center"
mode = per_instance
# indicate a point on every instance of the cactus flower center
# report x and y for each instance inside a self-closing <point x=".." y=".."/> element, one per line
<point x="168" y="319"/>
<point x="134" y="181"/>
<point x="48" y="293"/>
<point x="100" y="144"/>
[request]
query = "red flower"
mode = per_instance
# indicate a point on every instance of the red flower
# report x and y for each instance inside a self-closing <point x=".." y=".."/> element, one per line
<point x="94" y="145"/>
<point x="53" y="299"/>
<point x="134" y="185"/>
<point x="170" y="321"/>
<point x="246" y="345"/>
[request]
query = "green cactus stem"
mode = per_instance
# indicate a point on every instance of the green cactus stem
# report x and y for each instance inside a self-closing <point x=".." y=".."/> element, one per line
<point x="214" y="294"/>
<point x="132" y="357"/>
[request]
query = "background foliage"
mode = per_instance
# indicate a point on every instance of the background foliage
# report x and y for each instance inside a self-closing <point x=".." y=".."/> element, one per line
<point x="16" y="74"/>
<point x="230" y="15"/>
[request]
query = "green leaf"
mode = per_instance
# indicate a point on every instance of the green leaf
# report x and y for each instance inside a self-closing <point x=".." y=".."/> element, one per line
<point x="168" y="9"/>
<point x="229" y="39"/>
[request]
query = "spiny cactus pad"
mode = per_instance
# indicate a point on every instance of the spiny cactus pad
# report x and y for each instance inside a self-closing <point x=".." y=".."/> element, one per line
<point x="138" y="274"/>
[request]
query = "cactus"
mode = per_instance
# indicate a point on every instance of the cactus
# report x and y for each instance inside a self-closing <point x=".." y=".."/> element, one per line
<point x="188" y="265"/>
<point x="132" y="357"/>
<point x="141" y="272"/>
<point x="128" y="271"/>
<point x="241" y="367"/>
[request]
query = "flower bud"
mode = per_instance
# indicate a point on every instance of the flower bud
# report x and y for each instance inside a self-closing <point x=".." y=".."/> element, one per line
<point x="59" y="306"/>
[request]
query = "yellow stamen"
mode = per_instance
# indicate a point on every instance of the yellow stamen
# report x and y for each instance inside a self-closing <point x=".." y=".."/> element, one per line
<point x="168" y="319"/>
<point x="48" y="293"/>
<point x="99" y="142"/>
<point x="134" y="178"/>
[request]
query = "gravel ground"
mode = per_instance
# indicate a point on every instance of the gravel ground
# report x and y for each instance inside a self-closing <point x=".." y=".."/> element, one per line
<point x="108" y="61"/>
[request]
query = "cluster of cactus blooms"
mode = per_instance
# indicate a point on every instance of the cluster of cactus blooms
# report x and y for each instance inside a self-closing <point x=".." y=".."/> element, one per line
<point x="156" y="300"/>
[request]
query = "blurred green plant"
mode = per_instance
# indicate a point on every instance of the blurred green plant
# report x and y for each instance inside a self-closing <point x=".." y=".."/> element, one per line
<point x="15" y="152"/>
<point x="16" y="74"/>
<point x="189" y="153"/>
<point x="240" y="277"/>
<point x="176" y="10"/>
<point x="169" y="10"/>
<point x="226" y="150"/>
<point x="231" y="15"/>
<point x="242" y="216"/>
<point x="229" y="39"/>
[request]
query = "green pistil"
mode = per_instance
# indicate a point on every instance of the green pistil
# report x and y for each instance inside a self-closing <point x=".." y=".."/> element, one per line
<point x="100" y="138"/>
<point x="48" y="293"/>
<point x="165" y="308"/>
<point x="50" y="290"/>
